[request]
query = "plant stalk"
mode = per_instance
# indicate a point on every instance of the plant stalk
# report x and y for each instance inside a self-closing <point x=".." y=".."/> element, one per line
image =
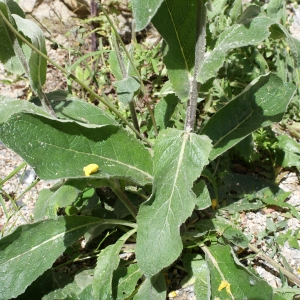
<point x="125" y="75"/>
<point x="105" y="101"/>
<point x="199" y="56"/>
<point x="123" y="46"/>
<point x="262" y="255"/>
<point x="114" y="185"/>
<point x="22" y="59"/>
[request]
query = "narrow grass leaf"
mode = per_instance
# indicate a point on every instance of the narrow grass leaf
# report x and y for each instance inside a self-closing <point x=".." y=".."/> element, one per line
<point x="179" y="158"/>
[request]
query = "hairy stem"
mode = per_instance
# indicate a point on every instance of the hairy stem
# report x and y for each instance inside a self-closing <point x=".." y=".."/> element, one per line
<point x="199" y="56"/>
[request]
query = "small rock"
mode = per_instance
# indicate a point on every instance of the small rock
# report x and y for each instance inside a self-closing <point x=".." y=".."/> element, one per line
<point x="29" y="5"/>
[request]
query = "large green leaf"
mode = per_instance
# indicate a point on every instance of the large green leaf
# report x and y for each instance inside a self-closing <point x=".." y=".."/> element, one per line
<point x="72" y="290"/>
<point x="176" y="22"/>
<point x="8" y="107"/>
<point x="37" y="64"/>
<point x="164" y="110"/>
<point x="21" y="58"/>
<point x="275" y="9"/>
<point x="143" y="11"/>
<point x="126" y="89"/>
<point x="50" y="200"/>
<point x="153" y="288"/>
<point x="32" y="249"/>
<point x="242" y="283"/>
<point x="7" y="54"/>
<point x="107" y="262"/>
<point x="50" y="281"/>
<point x="252" y="29"/>
<point x="198" y="274"/>
<point x="124" y="281"/>
<point x="179" y="158"/>
<point x="67" y="106"/>
<point x="262" y="103"/>
<point x="61" y="149"/>
<point x="289" y="153"/>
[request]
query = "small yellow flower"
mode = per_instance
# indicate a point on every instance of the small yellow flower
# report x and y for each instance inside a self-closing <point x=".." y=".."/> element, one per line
<point x="225" y="284"/>
<point x="214" y="204"/>
<point x="173" y="294"/>
<point x="92" y="168"/>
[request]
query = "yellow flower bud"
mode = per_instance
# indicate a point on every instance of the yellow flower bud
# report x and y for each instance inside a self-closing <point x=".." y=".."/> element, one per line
<point x="92" y="168"/>
<point x="225" y="284"/>
<point x="214" y="204"/>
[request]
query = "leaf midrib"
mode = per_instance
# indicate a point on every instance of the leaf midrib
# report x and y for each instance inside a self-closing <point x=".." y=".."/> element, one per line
<point x="99" y="156"/>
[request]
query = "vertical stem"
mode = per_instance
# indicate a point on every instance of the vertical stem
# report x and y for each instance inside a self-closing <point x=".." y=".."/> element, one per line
<point x="123" y="46"/>
<point x="151" y="115"/>
<point x="93" y="8"/>
<point x="199" y="56"/>
<point x="114" y="185"/>
<point x="125" y="75"/>
<point x="133" y="115"/>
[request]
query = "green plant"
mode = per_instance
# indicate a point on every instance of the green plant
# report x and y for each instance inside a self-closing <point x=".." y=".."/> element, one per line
<point x="146" y="196"/>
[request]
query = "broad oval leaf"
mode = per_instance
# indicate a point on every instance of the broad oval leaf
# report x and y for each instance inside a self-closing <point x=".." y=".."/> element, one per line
<point x="7" y="54"/>
<point x="8" y="107"/>
<point x="176" y="22"/>
<point x="37" y="64"/>
<point x="179" y="158"/>
<point x="67" y="106"/>
<point x="126" y="89"/>
<point x="153" y="288"/>
<point x="50" y="200"/>
<point x="107" y="262"/>
<point x="241" y="284"/>
<point x="252" y="28"/>
<point x="263" y="102"/>
<point x="61" y="149"/>
<point x="124" y="281"/>
<point x="32" y="249"/>
<point x="143" y="11"/>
